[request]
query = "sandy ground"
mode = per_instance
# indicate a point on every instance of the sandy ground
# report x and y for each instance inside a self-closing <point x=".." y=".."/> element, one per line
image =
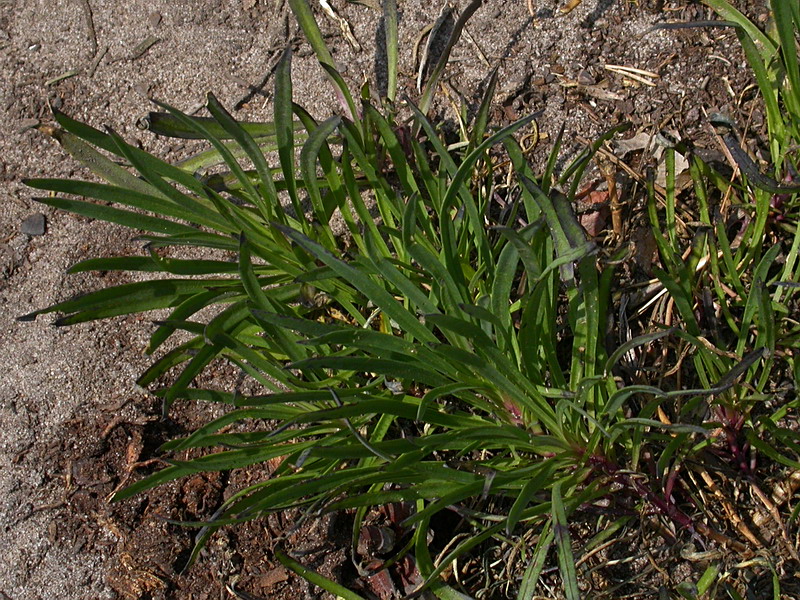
<point x="51" y="377"/>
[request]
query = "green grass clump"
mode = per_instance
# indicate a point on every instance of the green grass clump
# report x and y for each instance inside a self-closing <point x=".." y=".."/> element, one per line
<point x="440" y="352"/>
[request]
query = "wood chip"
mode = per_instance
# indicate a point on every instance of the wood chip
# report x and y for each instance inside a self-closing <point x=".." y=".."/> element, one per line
<point x="144" y="46"/>
<point x="61" y="77"/>
<point x="347" y="31"/>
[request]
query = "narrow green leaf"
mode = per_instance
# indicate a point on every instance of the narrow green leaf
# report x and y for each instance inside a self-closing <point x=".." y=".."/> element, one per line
<point x="284" y="129"/>
<point x="568" y="236"/>
<point x="530" y="579"/>
<point x="377" y="294"/>
<point x="343" y="92"/>
<point x="308" y="167"/>
<point x="727" y="12"/>
<point x="566" y="560"/>
<point x="392" y="144"/>
<point x="167" y="125"/>
<point x="482" y="117"/>
<point x="156" y="263"/>
<point x="641" y="340"/>
<point x="191" y="211"/>
<point x="183" y="311"/>
<point x="266" y="197"/>
<point x="317" y="579"/>
<point x="197" y="363"/>
<point x="707" y="579"/>
<point x="390" y="29"/>
<point x="394" y="369"/>
<point x="145" y="163"/>
<point x="129" y="298"/>
<point x="110" y="214"/>
<point x="433" y="80"/>
<point x="305" y="18"/>
<point x="501" y="297"/>
<point x="767" y="450"/>
<point x="99" y="164"/>
<point x="531" y="487"/>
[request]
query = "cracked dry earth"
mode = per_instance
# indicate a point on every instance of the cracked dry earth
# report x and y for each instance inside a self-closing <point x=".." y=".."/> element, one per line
<point x="73" y="427"/>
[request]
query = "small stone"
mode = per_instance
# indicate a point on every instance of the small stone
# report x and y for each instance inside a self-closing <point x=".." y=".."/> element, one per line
<point x="141" y="88"/>
<point x="626" y="107"/>
<point x="585" y="78"/>
<point x="34" y="225"/>
<point x="26" y="124"/>
<point x="154" y="19"/>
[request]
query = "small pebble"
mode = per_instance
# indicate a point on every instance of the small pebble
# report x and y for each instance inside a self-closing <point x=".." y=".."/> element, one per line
<point x="585" y="78"/>
<point x="26" y="124"/>
<point x="627" y="107"/>
<point x="141" y="88"/>
<point x="154" y="18"/>
<point x="34" y="225"/>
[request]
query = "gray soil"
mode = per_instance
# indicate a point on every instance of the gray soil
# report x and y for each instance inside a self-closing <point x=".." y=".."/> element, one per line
<point x="69" y="410"/>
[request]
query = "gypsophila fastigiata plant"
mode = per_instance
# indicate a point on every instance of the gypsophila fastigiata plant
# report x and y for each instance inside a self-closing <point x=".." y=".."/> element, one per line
<point x="442" y="354"/>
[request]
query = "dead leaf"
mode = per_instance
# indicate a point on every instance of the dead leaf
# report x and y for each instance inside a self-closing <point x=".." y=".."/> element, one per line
<point x="682" y="176"/>
<point x="272" y="577"/>
<point x="640" y="141"/>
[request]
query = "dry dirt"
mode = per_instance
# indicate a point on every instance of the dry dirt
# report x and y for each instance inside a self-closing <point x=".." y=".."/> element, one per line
<point x="72" y="423"/>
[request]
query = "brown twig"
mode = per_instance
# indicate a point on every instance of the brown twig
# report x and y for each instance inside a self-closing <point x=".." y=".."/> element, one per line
<point x="144" y="46"/>
<point x="773" y="511"/>
<point x="609" y="174"/>
<point x="96" y="61"/>
<point x="88" y="17"/>
<point x="611" y="157"/>
<point x="729" y="509"/>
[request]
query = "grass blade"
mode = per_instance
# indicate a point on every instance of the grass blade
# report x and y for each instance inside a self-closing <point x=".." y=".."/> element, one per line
<point x="390" y="28"/>
<point x="566" y="560"/>
<point x="308" y="167"/>
<point x="266" y="197"/>
<point x="110" y="214"/>
<point x="433" y="80"/>
<point x="284" y="129"/>
<point x="406" y="320"/>
<point x="530" y="579"/>
<point x="326" y="584"/>
<point x="482" y="118"/>
<point x="128" y="298"/>
<point x="166" y="124"/>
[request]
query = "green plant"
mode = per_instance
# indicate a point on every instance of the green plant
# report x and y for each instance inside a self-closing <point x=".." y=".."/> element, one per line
<point x="761" y="262"/>
<point x="440" y="352"/>
<point x="715" y="580"/>
<point x="692" y="591"/>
